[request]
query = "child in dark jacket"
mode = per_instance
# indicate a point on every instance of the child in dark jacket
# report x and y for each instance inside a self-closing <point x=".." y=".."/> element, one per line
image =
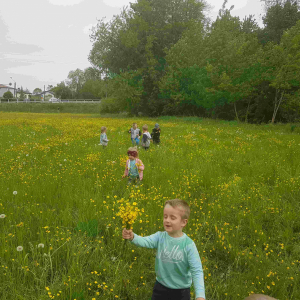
<point x="156" y="134"/>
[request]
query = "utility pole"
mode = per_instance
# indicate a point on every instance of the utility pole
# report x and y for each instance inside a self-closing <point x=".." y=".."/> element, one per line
<point x="15" y="86"/>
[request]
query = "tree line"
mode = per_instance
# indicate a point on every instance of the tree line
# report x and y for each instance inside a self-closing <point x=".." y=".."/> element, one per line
<point x="165" y="57"/>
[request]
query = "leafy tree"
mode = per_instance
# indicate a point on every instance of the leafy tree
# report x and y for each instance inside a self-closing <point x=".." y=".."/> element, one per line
<point x="8" y="95"/>
<point x="227" y="60"/>
<point x="37" y="91"/>
<point x="280" y="16"/>
<point x="62" y="91"/>
<point x="75" y="81"/>
<point x="92" y="89"/>
<point x="22" y="94"/>
<point x="128" y="87"/>
<point x="91" y="74"/>
<point x="283" y="63"/>
<point x="138" y="38"/>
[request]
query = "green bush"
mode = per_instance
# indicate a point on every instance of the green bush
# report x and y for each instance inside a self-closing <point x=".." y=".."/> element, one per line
<point x="110" y="106"/>
<point x="8" y="95"/>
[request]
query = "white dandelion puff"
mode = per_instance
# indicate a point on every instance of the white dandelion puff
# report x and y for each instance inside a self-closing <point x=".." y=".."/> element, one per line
<point x="15" y="192"/>
<point x="41" y="245"/>
<point x="19" y="248"/>
<point x="2" y="216"/>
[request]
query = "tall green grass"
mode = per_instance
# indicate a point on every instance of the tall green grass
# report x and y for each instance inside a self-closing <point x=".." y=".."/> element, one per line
<point x="60" y="189"/>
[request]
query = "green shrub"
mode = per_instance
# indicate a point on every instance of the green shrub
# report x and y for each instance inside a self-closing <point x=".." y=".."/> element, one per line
<point x="8" y="95"/>
<point x="110" y="106"/>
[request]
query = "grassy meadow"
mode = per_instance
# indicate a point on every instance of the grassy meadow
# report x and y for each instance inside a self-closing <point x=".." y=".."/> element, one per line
<point x="60" y="234"/>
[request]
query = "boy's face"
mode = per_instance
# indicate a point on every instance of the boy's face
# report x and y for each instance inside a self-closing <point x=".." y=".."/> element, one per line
<point x="173" y="222"/>
<point x="134" y="126"/>
<point x="131" y="157"/>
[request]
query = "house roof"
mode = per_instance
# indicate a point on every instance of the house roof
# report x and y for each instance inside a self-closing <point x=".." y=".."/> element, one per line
<point x="42" y="93"/>
<point x="5" y="86"/>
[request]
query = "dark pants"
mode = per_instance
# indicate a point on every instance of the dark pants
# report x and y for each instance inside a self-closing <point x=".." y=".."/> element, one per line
<point x="160" y="292"/>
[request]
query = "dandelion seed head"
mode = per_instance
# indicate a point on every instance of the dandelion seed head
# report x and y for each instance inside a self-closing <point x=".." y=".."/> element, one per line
<point x="19" y="248"/>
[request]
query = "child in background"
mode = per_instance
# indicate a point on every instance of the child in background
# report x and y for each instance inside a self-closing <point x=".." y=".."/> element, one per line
<point x="103" y="137"/>
<point x="156" y="134"/>
<point x="135" y="134"/>
<point x="177" y="261"/>
<point x="134" y="167"/>
<point x="146" y="137"/>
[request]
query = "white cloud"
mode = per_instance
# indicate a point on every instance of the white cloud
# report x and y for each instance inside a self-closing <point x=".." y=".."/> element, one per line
<point x="87" y="29"/>
<point x="118" y="3"/>
<point x="65" y="2"/>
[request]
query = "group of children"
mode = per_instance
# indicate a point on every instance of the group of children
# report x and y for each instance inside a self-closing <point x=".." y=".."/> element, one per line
<point x="134" y="166"/>
<point x="177" y="262"/>
<point x="146" y="136"/>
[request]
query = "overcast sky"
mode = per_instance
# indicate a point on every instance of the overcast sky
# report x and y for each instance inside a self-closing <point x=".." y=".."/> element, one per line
<point x="42" y="40"/>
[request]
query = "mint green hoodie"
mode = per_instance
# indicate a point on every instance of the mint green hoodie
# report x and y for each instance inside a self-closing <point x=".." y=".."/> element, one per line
<point x="177" y="261"/>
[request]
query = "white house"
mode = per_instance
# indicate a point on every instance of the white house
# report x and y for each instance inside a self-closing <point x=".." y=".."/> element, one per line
<point x="45" y="95"/>
<point x="25" y="92"/>
<point x="4" y="88"/>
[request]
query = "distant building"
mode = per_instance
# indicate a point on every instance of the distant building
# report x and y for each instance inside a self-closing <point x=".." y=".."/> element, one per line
<point x="26" y="93"/>
<point x="4" y="88"/>
<point x="44" y="95"/>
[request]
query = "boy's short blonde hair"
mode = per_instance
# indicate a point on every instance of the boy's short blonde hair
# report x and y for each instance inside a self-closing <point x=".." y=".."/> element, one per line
<point x="103" y="128"/>
<point x="178" y="203"/>
<point x="145" y="127"/>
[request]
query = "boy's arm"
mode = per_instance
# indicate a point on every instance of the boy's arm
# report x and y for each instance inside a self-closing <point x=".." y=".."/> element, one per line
<point x="196" y="270"/>
<point x="150" y="241"/>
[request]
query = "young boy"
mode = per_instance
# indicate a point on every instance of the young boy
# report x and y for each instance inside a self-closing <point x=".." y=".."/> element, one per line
<point x="146" y="137"/>
<point x="156" y="134"/>
<point x="135" y="134"/>
<point x="177" y="261"/>
<point x="103" y="137"/>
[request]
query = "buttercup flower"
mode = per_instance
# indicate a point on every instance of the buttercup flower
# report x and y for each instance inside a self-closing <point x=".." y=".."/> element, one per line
<point x="19" y="248"/>
<point x="2" y="216"/>
<point x="128" y="213"/>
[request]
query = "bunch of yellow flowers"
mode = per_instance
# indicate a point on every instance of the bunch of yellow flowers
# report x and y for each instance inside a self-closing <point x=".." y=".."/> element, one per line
<point x="128" y="213"/>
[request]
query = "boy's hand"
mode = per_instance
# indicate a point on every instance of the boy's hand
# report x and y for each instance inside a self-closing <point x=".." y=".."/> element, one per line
<point x="127" y="234"/>
<point x="123" y="176"/>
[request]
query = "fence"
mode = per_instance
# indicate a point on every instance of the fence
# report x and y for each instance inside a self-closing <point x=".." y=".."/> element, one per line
<point x="14" y="100"/>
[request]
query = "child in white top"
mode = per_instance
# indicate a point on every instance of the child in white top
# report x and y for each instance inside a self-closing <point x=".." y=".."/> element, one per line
<point x="135" y="134"/>
<point x="103" y="137"/>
